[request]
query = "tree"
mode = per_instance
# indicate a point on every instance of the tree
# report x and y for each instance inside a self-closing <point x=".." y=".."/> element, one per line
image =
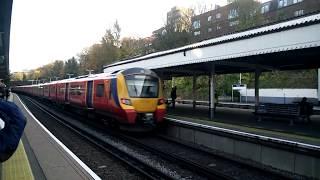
<point x="46" y="71"/>
<point x="248" y="13"/>
<point x="57" y="69"/>
<point x="131" y="47"/>
<point x="17" y="76"/>
<point x="176" y="33"/>
<point x="71" y="66"/>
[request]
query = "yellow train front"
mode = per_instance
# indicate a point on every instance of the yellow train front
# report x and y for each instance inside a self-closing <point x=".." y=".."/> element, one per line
<point x="136" y="99"/>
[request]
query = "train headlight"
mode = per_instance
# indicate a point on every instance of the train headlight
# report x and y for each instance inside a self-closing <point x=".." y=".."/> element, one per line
<point x="126" y="101"/>
<point x="161" y="101"/>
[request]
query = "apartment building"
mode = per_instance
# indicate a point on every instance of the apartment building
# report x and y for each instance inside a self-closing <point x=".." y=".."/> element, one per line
<point x="225" y="20"/>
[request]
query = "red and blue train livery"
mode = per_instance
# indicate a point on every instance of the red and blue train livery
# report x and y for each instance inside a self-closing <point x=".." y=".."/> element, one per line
<point x="131" y="97"/>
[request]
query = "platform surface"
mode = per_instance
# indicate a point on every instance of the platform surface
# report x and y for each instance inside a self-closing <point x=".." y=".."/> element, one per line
<point x="243" y="120"/>
<point x="45" y="155"/>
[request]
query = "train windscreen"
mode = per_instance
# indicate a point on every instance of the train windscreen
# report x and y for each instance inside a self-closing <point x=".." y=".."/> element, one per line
<point x="142" y="86"/>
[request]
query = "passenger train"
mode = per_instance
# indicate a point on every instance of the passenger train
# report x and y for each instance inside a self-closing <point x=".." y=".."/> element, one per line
<point x="131" y="98"/>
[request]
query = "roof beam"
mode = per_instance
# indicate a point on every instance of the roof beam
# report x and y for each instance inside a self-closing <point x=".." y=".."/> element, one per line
<point x="180" y="71"/>
<point x="245" y="65"/>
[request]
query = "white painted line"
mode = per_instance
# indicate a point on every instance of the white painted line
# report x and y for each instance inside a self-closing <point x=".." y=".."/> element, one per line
<point x="83" y="165"/>
<point x="251" y="135"/>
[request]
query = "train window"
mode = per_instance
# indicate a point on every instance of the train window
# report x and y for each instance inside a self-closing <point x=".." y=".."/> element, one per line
<point x="100" y="90"/>
<point x="142" y="86"/>
<point x="79" y="90"/>
<point x="76" y="90"/>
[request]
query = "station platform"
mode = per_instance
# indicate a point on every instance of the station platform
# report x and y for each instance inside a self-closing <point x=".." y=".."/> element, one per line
<point x="41" y="155"/>
<point x="244" y="120"/>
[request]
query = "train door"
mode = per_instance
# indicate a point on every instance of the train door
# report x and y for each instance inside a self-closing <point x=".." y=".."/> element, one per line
<point x="108" y="94"/>
<point x="56" y="92"/>
<point x="66" y="93"/>
<point x="89" y="94"/>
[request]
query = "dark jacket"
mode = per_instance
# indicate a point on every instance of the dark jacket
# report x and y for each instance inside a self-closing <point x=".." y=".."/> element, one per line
<point x="11" y="133"/>
<point x="174" y="93"/>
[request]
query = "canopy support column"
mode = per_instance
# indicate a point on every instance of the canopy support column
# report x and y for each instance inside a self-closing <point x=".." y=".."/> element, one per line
<point x="212" y="91"/>
<point x="194" y="80"/>
<point x="256" y="87"/>
<point x="319" y="86"/>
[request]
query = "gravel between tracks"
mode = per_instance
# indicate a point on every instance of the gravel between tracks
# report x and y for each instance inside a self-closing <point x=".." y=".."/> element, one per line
<point x="167" y="167"/>
<point x="233" y="169"/>
<point x="104" y="165"/>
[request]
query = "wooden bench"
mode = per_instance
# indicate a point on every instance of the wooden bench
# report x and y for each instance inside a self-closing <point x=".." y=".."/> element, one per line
<point x="286" y="111"/>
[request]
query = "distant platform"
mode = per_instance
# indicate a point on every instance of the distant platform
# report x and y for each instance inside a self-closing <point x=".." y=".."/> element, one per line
<point x="40" y="155"/>
<point x="244" y="120"/>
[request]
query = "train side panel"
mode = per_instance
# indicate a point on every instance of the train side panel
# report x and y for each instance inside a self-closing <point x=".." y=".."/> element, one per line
<point x="77" y="93"/>
<point x="46" y="91"/>
<point x="52" y="92"/>
<point x="101" y="95"/>
<point x="61" y="90"/>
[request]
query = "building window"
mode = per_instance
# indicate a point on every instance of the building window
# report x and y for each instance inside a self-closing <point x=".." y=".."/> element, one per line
<point x="196" y="33"/>
<point x="233" y="13"/>
<point x="284" y="3"/>
<point x="298" y="13"/>
<point x="233" y="23"/>
<point x="265" y="8"/>
<point x="297" y="1"/>
<point x="100" y="90"/>
<point x="209" y="18"/>
<point x="218" y="15"/>
<point x="196" y="24"/>
<point x="209" y="29"/>
<point x="218" y="27"/>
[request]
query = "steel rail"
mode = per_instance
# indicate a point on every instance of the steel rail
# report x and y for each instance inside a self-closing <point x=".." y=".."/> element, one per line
<point x="140" y="166"/>
<point x="210" y="173"/>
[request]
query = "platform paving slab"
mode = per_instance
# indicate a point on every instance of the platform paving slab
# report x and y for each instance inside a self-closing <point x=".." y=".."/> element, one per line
<point x="243" y="120"/>
<point x="56" y="161"/>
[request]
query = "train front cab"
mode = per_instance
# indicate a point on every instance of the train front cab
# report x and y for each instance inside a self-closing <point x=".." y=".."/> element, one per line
<point x="140" y="97"/>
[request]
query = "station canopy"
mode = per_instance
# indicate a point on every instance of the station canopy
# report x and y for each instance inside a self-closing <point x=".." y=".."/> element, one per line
<point x="288" y="45"/>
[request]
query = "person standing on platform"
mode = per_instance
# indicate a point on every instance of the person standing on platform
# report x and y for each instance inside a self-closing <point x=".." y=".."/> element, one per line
<point x="306" y="108"/>
<point x="2" y="89"/>
<point x="12" y="123"/>
<point x="7" y="93"/>
<point x="173" y="96"/>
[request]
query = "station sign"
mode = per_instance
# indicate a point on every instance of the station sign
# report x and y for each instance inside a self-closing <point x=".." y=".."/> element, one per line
<point x="239" y="86"/>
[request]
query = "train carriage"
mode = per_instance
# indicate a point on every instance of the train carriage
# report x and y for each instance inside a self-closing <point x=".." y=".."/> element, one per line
<point x="131" y="97"/>
<point x="53" y="91"/>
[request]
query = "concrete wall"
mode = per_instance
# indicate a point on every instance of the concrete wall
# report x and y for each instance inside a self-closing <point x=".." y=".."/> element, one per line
<point x="251" y="152"/>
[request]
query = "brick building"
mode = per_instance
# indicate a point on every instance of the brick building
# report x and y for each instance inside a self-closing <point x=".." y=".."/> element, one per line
<point x="225" y="20"/>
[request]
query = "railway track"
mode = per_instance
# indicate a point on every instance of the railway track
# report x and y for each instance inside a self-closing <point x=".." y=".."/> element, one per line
<point x="207" y="172"/>
<point x="204" y="163"/>
<point x="145" y="169"/>
<point x="213" y="169"/>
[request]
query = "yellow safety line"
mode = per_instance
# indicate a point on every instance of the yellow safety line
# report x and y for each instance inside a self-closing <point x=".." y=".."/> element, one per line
<point x="17" y="167"/>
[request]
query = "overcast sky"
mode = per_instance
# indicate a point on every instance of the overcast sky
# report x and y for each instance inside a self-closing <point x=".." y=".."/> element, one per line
<point x="46" y="30"/>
